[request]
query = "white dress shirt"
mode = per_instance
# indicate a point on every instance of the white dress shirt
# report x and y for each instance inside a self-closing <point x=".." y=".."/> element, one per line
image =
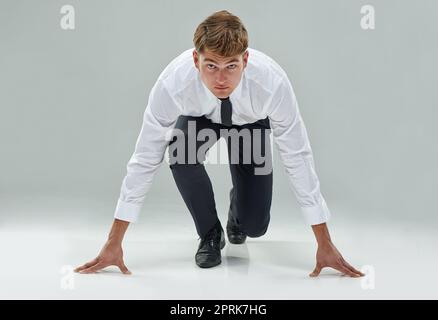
<point x="263" y="91"/>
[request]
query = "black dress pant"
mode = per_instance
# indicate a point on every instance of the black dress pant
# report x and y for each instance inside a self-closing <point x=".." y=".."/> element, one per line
<point x="251" y="193"/>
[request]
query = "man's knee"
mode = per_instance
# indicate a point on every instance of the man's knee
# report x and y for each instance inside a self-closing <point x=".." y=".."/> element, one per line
<point x="256" y="226"/>
<point x="256" y="231"/>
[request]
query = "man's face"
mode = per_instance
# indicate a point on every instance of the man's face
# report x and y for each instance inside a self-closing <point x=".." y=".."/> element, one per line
<point x="220" y="74"/>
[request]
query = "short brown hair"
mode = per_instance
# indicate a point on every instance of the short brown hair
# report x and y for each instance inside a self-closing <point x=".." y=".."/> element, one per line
<point x="222" y="33"/>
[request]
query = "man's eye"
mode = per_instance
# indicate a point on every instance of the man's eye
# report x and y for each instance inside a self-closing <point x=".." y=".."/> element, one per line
<point x="210" y="66"/>
<point x="232" y="66"/>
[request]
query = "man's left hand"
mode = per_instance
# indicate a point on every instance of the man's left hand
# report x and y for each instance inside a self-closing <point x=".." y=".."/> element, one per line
<point x="328" y="256"/>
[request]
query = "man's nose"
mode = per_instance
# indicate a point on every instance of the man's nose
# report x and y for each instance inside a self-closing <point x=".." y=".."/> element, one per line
<point x="221" y="78"/>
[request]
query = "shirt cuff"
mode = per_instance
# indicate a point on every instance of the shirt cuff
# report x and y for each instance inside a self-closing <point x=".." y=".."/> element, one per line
<point x="316" y="214"/>
<point x="127" y="211"/>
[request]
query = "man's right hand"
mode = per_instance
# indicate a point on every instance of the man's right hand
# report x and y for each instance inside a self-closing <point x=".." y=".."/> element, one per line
<point x="110" y="255"/>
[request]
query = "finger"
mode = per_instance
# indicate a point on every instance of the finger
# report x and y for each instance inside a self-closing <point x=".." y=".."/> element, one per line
<point x="349" y="266"/>
<point x="355" y="271"/>
<point x="123" y="268"/>
<point x="316" y="271"/>
<point x="86" y="265"/>
<point x="94" y="268"/>
<point x="344" y="269"/>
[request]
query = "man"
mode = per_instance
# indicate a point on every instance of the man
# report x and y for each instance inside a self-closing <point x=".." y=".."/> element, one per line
<point x="222" y="88"/>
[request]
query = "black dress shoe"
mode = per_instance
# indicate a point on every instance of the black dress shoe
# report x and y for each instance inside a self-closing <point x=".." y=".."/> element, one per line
<point x="209" y="250"/>
<point x="234" y="232"/>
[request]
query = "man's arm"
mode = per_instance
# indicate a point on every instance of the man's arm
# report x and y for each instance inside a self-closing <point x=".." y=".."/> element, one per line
<point x="290" y="135"/>
<point x="159" y="117"/>
<point x="161" y="112"/>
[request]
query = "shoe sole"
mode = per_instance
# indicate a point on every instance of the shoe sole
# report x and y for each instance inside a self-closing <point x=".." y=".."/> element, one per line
<point x="236" y="242"/>
<point x="209" y="265"/>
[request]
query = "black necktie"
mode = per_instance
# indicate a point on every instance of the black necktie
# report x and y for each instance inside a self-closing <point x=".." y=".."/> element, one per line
<point x="226" y="112"/>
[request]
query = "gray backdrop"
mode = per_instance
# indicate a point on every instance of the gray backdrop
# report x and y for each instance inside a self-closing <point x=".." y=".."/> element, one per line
<point x="72" y="101"/>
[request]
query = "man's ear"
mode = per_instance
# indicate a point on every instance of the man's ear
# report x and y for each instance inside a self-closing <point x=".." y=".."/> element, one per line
<point x="196" y="58"/>
<point x="245" y="58"/>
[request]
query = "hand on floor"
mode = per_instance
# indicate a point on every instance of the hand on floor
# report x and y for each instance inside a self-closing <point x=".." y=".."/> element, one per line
<point x="328" y="256"/>
<point x="110" y="255"/>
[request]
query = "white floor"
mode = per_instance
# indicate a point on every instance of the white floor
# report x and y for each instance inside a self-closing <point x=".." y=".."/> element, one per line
<point x="38" y="254"/>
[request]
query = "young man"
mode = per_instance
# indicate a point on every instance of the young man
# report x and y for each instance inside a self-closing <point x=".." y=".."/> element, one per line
<point x="222" y="88"/>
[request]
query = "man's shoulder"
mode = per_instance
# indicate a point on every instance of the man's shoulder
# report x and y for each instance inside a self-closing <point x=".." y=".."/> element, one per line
<point x="181" y="70"/>
<point x="263" y="69"/>
<point x="182" y="63"/>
